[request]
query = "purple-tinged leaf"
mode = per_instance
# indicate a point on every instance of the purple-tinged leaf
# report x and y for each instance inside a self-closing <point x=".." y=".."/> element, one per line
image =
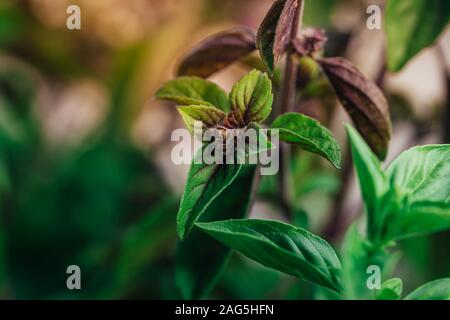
<point x="217" y="52"/>
<point x="363" y="100"/>
<point x="274" y="34"/>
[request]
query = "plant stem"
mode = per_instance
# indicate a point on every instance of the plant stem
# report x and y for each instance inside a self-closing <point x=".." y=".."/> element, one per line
<point x="286" y="103"/>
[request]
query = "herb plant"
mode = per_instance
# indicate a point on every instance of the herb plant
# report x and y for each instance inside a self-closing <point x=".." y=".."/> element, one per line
<point x="408" y="198"/>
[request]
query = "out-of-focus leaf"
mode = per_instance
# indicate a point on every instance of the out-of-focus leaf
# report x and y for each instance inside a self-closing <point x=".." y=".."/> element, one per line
<point x="208" y="116"/>
<point x="252" y="97"/>
<point x="247" y="279"/>
<point x="187" y="91"/>
<point x="357" y="255"/>
<point x="391" y="290"/>
<point x="3" y="274"/>
<point x="363" y="100"/>
<point x="280" y="246"/>
<point x="310" y="135"/>
<point x="200" y="259"/>
<point x="434" y="290"/>
<point x="318" y="13"/>
<point x="411" y="26"/>
<point x="12" y="23"/>
<point x="217" y="52"/>
<point x="275" y="31"/>
<point x="372" y="179"/>
<point x="140" y="244"/>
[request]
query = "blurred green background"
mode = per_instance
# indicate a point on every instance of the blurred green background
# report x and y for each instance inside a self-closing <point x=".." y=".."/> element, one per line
<point x="85" y="170"/>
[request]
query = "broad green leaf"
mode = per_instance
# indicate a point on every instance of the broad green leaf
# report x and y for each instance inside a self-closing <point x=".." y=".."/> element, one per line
<point x="423" y="173"/>
<point x="434" y="290"/>
<point x="208" y="116"/>
<point x="372" y="180"/>
<point x="217" y="52"/>
<point x="204" y="183"/>
<point x="357" y="255"/>
<point x="187" y="91"/>
<point x="194" y="277"/>
<point x="363" y="101"/>
<point x="411" y="26"/>
<point x="252" y="97"/>
<point x="280" y="246"/>
<point x="309" y="134"/>
<point x="419" y="218"/>
<point x="420" y="177"/>
<point x="391" y="290"/>
<point x="275" y="31"/>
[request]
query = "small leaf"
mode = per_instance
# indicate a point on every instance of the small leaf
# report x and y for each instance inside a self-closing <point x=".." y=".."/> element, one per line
<point x="252" y="97"/>
<point x="217" y="52"/>
<point x="391" y="290"/>
<point x="372" y="179"/>
<point x="412" y="26"/>
<point x="434" y="290"/>
<point x="274" y="33"/>
<point x="194" y="277"/>
<point x="363" y="100"/>
<point x="310" y="42"/>
<point x="204" y="183"/>
<point x="187" y="91"/>
<point x="280" y="246"/>
<point x="209" y="116"/>
<point x="309" y="134"/>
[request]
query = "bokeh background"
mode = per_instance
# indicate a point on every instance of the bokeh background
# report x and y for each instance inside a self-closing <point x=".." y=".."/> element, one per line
<point x="85" y="170"/>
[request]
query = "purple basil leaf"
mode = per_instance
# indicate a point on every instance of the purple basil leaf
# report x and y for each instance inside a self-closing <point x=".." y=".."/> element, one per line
<point x="364" y="102"/>
<point x="217" y="52"/>
<point x="274" y="34"/>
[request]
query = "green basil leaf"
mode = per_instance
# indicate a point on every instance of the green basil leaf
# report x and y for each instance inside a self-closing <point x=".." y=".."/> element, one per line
<point x="283" y="247"/>
<point x="434" y="290"/>
<point x="391" y="290"/>
<point x="411" y="26"/>
<point x="275" y="31"/>
<point x="252" y="97"/>
<point x="420" y="176"/>
<point x="194" y="277"/>
<point x="217" y="52"/>
<point x="419" y="218"/>
<point x="372" y="180"/>
<point x="187" y="91"/>
<point x="423" y="173"/>
<point x="204" y="183"/>
<point x="209" y="116"/>
<point x="363" y="101"/>
<point x="310" y="135"/>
